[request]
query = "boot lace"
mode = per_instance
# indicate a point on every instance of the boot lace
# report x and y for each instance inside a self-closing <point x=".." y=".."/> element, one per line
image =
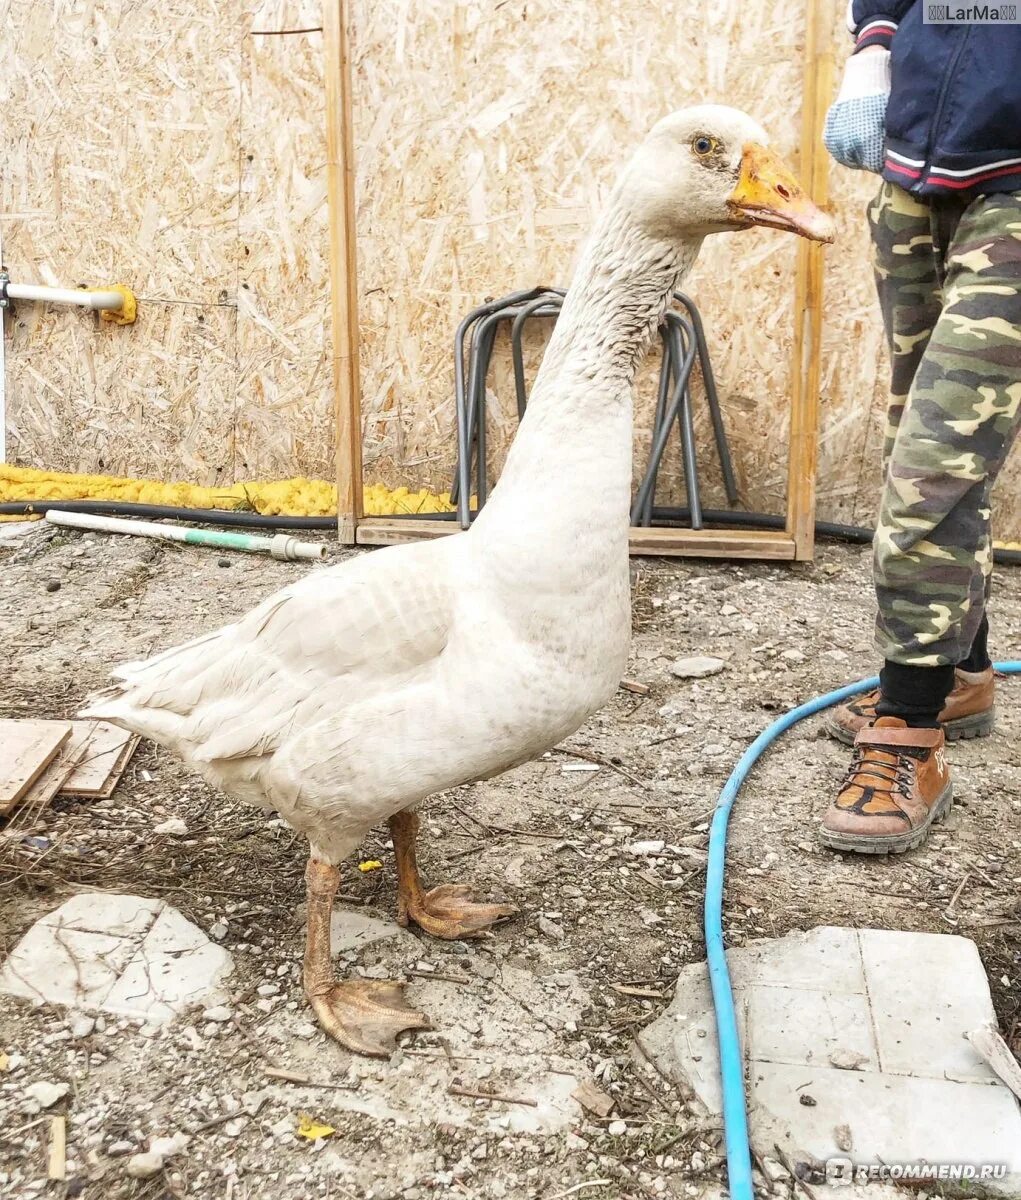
<point x="875" y="761"/>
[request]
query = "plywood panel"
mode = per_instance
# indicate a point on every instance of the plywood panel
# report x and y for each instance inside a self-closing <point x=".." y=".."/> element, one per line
<point x="121" y="165"/>
<point x="160" y="143"/>
<point x="122" y="143"/>
<point x="285" y="385"/>
<point x="154" y="399"/>
<point x="487" y="138"/>
<point x="100" y="752"/>
<point x="26" y="749"/>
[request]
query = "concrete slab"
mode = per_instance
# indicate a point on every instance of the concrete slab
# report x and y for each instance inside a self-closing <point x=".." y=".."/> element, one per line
<point x="853" y="1038"/>
<point x="119" y="954"/>
<point x="927" y="1032"/>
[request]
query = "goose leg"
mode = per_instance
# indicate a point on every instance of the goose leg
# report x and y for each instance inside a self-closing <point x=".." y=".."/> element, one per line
<point x="445" y="911"/>
<point x="364" y="1015"/>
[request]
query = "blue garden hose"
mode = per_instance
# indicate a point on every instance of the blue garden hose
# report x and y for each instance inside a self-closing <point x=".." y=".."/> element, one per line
<point x="735" y="1114"/>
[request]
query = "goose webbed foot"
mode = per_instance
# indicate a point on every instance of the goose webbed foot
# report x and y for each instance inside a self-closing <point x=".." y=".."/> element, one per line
<point x="364" y="1015"/>
<point x="446" y="911"/>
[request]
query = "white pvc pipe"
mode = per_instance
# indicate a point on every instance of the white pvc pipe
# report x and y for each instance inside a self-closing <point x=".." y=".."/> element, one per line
<point x="55" y="295"/>
<point x="282" y="546"/>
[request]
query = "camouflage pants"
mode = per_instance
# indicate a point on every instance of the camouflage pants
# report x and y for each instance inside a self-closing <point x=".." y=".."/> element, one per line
<point x="949" y="281"/>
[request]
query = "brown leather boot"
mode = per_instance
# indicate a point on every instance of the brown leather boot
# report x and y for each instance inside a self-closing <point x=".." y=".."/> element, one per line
<point x="969" y="711"/>
<point x="897" y="786"/>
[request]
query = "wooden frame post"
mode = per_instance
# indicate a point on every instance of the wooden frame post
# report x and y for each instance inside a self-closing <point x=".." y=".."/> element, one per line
<point x="343" y="268"/>
<point x="806" y="358"/>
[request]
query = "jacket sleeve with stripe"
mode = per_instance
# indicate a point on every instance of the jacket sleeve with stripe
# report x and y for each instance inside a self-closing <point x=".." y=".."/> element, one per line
<point x="874" y="22"/>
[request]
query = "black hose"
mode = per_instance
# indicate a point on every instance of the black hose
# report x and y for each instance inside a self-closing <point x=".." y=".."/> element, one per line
<point x="250" y="520"/>
<point x="752" y="520"/>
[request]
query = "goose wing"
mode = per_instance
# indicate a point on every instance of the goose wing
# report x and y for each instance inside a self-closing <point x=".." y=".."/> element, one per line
<point x="338" y="635"/>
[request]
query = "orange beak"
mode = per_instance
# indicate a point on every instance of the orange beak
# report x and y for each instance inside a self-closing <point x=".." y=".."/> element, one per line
<point x="768" y="194"/>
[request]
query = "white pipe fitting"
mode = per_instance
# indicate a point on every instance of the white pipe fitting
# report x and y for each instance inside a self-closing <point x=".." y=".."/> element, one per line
<point x="53" y="295"/>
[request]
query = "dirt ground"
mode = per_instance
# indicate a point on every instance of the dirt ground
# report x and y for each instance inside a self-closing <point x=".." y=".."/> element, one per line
<point x="554" y="997"/>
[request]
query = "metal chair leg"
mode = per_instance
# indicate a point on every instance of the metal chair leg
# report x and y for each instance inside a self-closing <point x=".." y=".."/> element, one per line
<point x="685" y="360"/>
<point x="713" y="399"/>
<point x="686" y="425"/>
<point x="460" y="493"/>
<point x="666" y="367"/>
<point x="478" y="368"/>
<point x="545" y="306"/>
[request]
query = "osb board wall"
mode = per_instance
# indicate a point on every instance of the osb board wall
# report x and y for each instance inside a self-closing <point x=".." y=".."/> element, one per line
<point x="170" y="145"/>
<point x="487" y="137"/>
<point x="161" y="144"/>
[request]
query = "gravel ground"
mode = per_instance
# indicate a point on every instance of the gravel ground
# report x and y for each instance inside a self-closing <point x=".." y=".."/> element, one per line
<point x="553" y="998"/>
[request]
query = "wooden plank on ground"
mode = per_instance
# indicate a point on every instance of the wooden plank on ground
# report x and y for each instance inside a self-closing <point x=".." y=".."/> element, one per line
<point x="713" y="543"/>
<point x="37" y="798"/>
<point x="26" y="749"/>
<point x="104" y="752"/>
<point x="696" y="543"/>
<point x="56" y="1167"/>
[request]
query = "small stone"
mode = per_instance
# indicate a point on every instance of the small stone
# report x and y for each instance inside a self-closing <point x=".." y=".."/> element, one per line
<point x="848" y="1060"/>
<point x="698" y="1161"/>
<point x="82" y="1026"/>
<point x="119" y="1149"/>
<point x="53" y="585"/>
<point x="218" y="931"/>
<point x="173" y="826"/>
<point x="699" y="666"/>
<point x="646" y="848"/>
<point x="807" y="1100"/>
<point x="842" y="1136"/>
<point x="268" y="989"/>
<point x="47" y="1094"/>
<point x="167" y="1147"/>
<point x="617" y="1128"/>
<point x="142" y="1166"/>
<point x="775" y="1170"/>
<point x="251" y="1102"/>
<point x="219" y="1013"/>
<point x="224" y="562"/>
<point x="592" y="1098"/>
<point x="550" y="928"/>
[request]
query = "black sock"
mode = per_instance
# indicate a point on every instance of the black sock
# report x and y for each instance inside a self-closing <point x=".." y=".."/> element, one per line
<point x="915" y="694"/>
<point x="978" y="657"/>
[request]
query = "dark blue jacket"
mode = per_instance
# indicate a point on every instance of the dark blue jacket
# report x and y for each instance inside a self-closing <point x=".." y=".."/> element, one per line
<point x="953" y="121"/>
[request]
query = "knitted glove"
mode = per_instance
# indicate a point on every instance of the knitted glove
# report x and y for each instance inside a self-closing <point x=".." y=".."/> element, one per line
<point x="854" y="130"/>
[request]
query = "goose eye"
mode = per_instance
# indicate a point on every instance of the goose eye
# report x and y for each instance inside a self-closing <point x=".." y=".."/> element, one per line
<point x="703" y="145"/>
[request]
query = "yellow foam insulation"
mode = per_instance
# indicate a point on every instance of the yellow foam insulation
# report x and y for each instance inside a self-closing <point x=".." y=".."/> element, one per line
<point x="284" y="497"/>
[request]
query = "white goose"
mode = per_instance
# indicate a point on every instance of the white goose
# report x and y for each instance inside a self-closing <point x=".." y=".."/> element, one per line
<point x="339" y="704"/>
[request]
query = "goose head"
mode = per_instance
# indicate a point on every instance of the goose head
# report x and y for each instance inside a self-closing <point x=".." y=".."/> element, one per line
<point x="709" y="169"/>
